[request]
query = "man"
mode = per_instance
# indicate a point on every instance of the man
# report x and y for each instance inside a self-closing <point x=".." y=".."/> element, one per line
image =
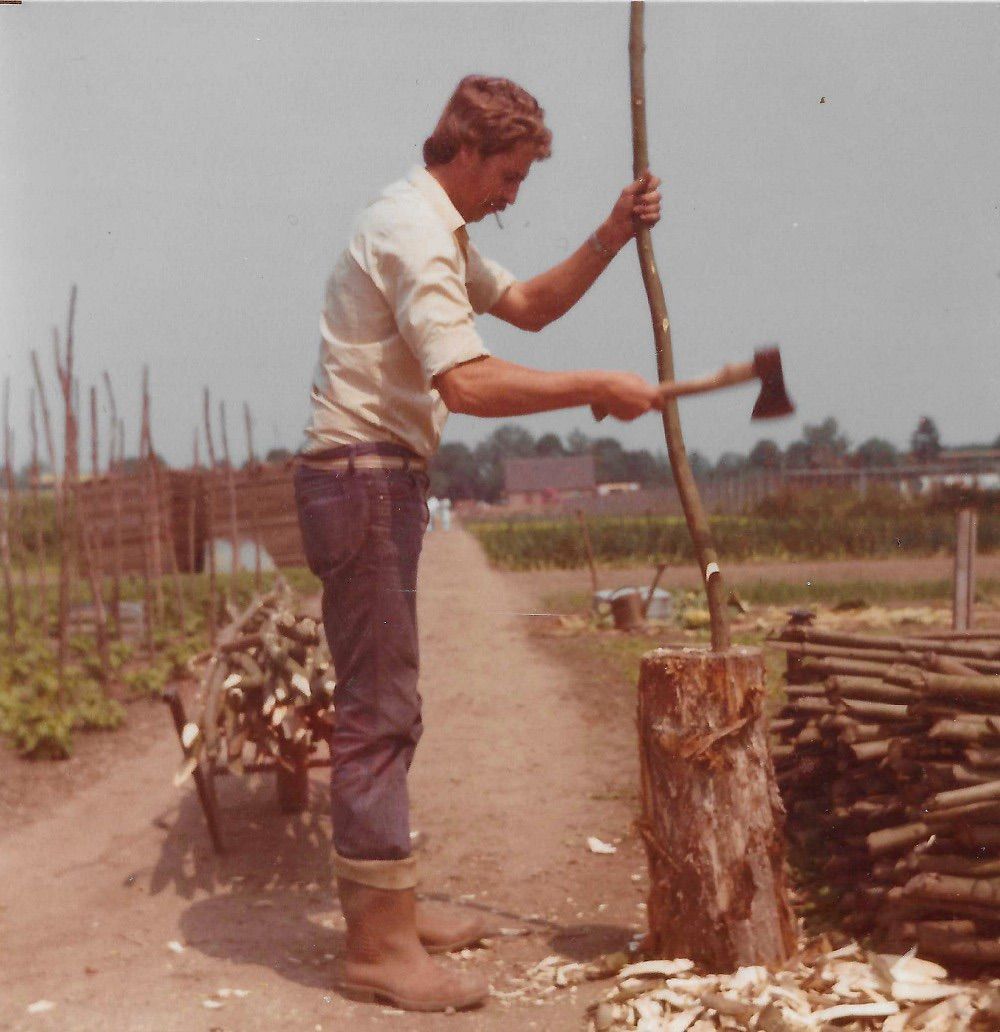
<point x="399" y="350"/>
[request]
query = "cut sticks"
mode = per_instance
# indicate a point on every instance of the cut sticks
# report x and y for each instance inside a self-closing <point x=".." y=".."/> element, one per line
<point x="888" y="757"/>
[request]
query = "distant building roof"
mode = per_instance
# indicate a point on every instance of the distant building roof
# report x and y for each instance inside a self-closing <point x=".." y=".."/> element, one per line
<point x="575" y="472"/>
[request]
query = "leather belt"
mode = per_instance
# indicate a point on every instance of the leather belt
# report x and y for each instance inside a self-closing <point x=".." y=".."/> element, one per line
<point x="356" y="462"/>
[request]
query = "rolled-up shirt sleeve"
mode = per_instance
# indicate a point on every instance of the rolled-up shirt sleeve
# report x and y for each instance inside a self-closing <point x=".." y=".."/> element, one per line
<point x="487" y="281"/>
<point x="419" y="270"/>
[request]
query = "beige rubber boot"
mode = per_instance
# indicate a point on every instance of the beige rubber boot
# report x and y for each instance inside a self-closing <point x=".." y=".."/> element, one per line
<point x="385" y="961"/>
<point x="444" y="929"/>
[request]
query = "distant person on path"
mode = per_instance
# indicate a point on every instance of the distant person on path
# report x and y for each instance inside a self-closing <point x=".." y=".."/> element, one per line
<point x="445" y="514"/>
<point x="433" y="508"/>
<point x="399" y="350"/>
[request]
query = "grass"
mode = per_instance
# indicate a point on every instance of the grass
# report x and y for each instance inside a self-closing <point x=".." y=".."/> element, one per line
<point x="841" y="593"/>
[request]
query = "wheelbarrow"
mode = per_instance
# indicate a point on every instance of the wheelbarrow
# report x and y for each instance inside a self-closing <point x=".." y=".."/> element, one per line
<point x="291" y="775"/>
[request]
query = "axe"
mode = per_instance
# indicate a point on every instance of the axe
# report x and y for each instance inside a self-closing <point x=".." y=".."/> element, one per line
<point x="773" y="400"/>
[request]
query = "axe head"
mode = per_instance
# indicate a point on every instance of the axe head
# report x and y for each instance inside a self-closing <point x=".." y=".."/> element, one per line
<point x="773" y="400"/>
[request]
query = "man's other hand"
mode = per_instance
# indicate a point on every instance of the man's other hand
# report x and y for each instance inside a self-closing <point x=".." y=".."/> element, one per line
<point x="626" y="396"/>
<point x="639" y="204"/>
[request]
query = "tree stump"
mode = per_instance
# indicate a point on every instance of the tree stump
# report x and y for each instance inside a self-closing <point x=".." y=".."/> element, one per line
<point x="712" y="818"/>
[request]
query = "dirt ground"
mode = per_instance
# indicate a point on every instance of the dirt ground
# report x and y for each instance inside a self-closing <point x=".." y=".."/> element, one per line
<point x="104" y="864"/>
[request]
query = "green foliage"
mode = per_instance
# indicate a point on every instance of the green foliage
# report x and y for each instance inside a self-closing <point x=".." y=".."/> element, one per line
<point x="39" y="718"/>
<point x="824" y="524"/>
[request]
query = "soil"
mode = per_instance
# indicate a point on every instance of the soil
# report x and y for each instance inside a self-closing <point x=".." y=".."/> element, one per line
<point x="104" y="863"/>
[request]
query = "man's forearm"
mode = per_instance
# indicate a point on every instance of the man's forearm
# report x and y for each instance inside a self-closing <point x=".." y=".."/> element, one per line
<point x="552" y="293"/>
<point x="492" y="387"/>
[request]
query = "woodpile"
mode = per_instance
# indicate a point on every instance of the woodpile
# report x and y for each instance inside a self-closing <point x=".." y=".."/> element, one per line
<point x="266" y="691"/>
<point x="819" y="989"/>
<point x="887" y="752"/>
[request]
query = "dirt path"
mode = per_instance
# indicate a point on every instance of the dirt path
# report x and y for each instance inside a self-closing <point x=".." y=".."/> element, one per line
<point x="514" y="772"/>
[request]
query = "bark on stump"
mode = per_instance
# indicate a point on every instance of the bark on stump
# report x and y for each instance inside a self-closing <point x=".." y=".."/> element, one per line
<point x="712" y="818"/>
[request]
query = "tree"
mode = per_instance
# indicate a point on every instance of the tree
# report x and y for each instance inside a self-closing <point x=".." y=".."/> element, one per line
<point x="826" y="445"/>
<point x="609" y="461"/>
<point x="277" y="455"/>
<point x="700" y="466"/>
<point x="730" y="462"/>
<point x="453" y="472"/>
<point x="508" y="441"/>
<point x="549" y="445"/>
<point x="797" y="455"/>
<point x="925" y="441"/>
<point x="765" y="454"/>
<point x="579" y="443"/>
<point x="876" y="451"/>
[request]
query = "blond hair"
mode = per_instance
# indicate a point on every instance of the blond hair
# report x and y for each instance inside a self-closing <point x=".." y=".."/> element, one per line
<point x="490" y="114"/>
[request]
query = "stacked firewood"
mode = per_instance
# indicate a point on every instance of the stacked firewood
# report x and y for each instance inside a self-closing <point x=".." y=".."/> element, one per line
<point x="888" y="757"/>
<point x="266" y="691"/>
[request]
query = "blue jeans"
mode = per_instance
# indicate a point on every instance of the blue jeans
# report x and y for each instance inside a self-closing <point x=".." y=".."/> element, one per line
<point x="362" y="532"/>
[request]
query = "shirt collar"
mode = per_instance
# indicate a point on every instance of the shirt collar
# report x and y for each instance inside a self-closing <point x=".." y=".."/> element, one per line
<point x="436" y="195"/>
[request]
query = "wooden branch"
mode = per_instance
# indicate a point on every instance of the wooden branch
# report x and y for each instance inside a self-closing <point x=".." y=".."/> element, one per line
<point x="210" y="505"/>
<point x="255" y="517"/>
<point x="36" y="505"/>
<point x="115" y="459"/>
<point x="68" y="530"/>
<point x="687" y="488"/>
<point x="234" y="541"/>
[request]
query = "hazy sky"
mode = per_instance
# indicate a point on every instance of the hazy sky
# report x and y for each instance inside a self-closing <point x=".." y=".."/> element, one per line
<point x="195" y="169"/>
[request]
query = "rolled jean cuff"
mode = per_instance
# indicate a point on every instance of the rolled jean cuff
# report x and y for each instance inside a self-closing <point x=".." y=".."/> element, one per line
<point x="377" y="874"/>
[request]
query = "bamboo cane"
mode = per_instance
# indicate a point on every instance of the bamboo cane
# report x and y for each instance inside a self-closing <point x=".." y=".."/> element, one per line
<point x="234" y="541"/>
<point x="252" y="468"/>
<point x="92" y="555"/>
<point x="210" y="505"/>
<point x="68" y="528"/>
<point x="687" y="489"/>
<point x="5" y="558"/>
<point x="193" y="487"/>
<point x="36" y="504"/>
<point x="115" y="458"/>
<point x="17" y="537"/>
<point x="152" y="498"/>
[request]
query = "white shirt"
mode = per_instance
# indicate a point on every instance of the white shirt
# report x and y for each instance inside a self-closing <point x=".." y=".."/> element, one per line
<point x="398" y="312"/>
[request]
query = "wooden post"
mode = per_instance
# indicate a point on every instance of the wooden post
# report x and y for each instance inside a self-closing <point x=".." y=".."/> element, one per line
<point x="964" y="592"/>
<point x="210" y="514"/>
<point x="92" y="552"/>
<point x="255" y="517"/>
<point x="585" y="531"/>
<point x="36" y="504"/>
<point x="194" y="486"/>
<point x="17" y="537"/>
<point x="712" y="818"/>
<point x="234" y="540"/>
<point x="5" y="560"/>
<point x="152" y="496"/>
<point x="694" y="511"/>
<point x="67" y="524"/>
<point x="116" y="456"/>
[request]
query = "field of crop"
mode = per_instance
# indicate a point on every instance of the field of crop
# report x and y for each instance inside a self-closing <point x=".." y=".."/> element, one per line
<point x="822" y="525"/>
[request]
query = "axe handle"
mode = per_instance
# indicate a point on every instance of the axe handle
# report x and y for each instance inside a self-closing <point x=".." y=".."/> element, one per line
<point x="727" y="376"/>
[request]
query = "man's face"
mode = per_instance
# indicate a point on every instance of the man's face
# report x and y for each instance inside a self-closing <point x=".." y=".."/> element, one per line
<point x="492" y="183"/>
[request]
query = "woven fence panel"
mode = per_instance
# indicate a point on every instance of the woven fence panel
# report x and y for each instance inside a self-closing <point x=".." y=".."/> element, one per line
<point x="261" y="505"/>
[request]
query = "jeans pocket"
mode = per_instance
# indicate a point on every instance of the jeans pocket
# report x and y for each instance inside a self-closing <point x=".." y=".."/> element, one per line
<point x="332" y="519"/>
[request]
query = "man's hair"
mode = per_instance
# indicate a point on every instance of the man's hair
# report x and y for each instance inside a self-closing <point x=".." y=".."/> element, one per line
<point x="490" y="114"/>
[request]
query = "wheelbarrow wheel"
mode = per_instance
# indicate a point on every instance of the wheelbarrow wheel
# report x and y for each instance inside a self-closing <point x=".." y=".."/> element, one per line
<point x="293" y="788"/>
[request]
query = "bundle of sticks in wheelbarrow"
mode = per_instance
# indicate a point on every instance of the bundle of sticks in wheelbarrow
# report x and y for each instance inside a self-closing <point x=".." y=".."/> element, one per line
<point x="264" y="704"/>
<point x="888" y="758"/>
